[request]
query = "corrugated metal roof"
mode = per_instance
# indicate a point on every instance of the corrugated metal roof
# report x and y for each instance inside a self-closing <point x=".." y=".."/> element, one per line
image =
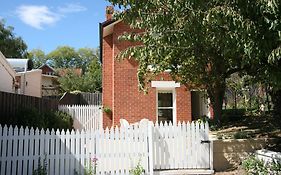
<point x="20" y="65"/>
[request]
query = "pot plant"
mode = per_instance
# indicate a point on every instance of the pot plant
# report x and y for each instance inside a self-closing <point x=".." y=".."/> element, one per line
<point x="108" y="111"/>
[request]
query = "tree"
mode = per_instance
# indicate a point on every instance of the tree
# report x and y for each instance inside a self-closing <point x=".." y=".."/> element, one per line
<point x="10" y="45"/>
<point x="38" y="57"/>
<point x="64" y="57"/>
<point x="87" y="55"/>
<point x="201" y="42"/>
<point x="93" y="77"/>
<point x="90" y="81"/>
<point x="266" y="15"/>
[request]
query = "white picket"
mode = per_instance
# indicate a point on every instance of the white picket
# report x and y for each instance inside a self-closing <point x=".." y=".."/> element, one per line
<point x="118" y="150"/>
<point x="88" y="117"/>
<point x="20" y="150"/>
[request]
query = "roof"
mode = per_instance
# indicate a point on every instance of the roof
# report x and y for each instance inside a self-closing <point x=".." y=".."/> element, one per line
<point x="20" y="65"/>
<point x="106" y="28"/>
<point x="46" y="65"/>
<point x="64" y="71"/>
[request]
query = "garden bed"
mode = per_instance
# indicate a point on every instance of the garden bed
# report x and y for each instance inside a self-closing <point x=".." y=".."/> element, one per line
<point x="249" y="126"/>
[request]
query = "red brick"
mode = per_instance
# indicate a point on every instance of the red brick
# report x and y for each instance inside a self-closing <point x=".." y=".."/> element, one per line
<point x="120" y="86"/>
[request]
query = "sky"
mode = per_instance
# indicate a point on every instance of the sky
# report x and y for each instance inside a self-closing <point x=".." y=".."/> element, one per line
<point x="47" y="24"/>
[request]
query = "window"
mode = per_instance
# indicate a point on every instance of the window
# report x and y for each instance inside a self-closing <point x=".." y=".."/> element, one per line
<point x="165" y="106"/>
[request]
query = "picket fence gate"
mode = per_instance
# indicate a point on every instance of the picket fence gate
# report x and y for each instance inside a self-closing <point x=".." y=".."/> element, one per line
<point x="115" y="151"/>
<point x="87" y="117"/>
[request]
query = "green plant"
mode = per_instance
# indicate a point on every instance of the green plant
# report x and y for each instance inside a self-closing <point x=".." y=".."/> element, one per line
<point x="107" y="110"/>
<point x="42" y="169"/>
<point x="92" y="168"/>
<point x="241" y="135"/>
<point x="203" y="119"/>
<point x="138" y="170"/>
<point x="58" y="120"/>
<point x="31" y="117"/>
<point x="276" y="166"/>
<point x="255" y="166"/>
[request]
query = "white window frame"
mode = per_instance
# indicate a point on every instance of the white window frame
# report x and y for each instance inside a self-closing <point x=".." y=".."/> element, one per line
<point x="166" y="86"/>
<point x="169" y="90"/>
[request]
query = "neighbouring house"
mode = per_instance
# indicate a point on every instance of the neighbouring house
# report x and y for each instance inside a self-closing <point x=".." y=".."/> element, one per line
<point x="63" y="71"/>
<point x="50" y="84"/>
<point x="166" y="99"/>
<point x="8" y="81"/>
<point x="29" y="79"/>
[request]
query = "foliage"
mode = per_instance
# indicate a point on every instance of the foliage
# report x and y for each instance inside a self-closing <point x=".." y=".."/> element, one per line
<point x="232" y="114"/>
<point x="70" y="81"/>
<point x="241" y="135"/>
<point x="91" y="170"/>
<point x="107" y="110"/>
<point x="84" y="58"/>
<point x="58" y="120"/>
<point x="10" y="45"/>
<point x="88" y="56"/>
<point x="138" y="170"/>
<point x="201" y="43"/>
<point x="203" y="119"/>
<point x="38" y="57"/>
<point x="64" y="57"/>
<point x="42" y="169"/>
<point x="89" y="82"/>
<point x="31" y="117"/>
<point x="255" y="166"/>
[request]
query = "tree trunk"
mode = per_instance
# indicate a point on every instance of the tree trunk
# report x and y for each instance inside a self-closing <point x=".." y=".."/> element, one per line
<point x="276" y="100"/>
<point x="216" y="94"/>
<point x="267" y="98"/>
<point x="235" y="100"/>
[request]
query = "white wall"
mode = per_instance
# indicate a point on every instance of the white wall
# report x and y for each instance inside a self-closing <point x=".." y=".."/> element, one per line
<point x="6" y="80"/>
<point x="32" y="80"/>
<point x="7" y="75"/>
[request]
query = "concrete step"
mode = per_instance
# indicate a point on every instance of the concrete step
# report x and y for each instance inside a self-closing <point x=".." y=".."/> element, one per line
<point x="184" y="172"/>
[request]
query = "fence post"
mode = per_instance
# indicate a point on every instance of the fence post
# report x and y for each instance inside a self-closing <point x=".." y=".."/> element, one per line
<point x="211" y="155"/>
<point x="100" y="117"/>
<point x="150" y="148"/>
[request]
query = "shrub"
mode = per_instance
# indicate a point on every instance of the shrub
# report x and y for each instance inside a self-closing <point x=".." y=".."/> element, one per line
<point x="58" y="120"/>
<point x="232" y="114"/>
<point x="138" y="170"/>
<point x="31" y="117"/>
<point x="42" y="169"/>
<point x="255" y="166"/>
<point x="241" y="135"/>
<point x="203" y="119"/>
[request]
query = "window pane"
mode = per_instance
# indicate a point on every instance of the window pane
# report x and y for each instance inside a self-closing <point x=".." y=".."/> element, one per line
<point x="165" y="100"/>
<point x="165" y="115"/>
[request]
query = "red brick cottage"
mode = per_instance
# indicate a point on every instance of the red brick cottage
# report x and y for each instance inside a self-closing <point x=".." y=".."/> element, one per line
<point x="166" y="99"/>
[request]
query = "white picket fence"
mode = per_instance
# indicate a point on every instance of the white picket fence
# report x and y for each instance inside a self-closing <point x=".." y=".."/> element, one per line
<point x="182" y="146"/>
<point x="118" y="150"/>
<point x="87" y="117"/>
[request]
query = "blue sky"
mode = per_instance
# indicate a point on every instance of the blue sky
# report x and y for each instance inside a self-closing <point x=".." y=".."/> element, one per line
<point x="46" y="24"/>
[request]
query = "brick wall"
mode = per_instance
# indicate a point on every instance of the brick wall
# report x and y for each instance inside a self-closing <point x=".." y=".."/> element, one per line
<point x="120" y="86"/>
<point x="107" y="79"/>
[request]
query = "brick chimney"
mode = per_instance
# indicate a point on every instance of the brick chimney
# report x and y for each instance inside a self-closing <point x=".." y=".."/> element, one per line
<point x="109" y="12"/>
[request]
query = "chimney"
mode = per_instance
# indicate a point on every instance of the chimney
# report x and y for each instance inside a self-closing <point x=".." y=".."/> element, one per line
<point x="109" y="12"/>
